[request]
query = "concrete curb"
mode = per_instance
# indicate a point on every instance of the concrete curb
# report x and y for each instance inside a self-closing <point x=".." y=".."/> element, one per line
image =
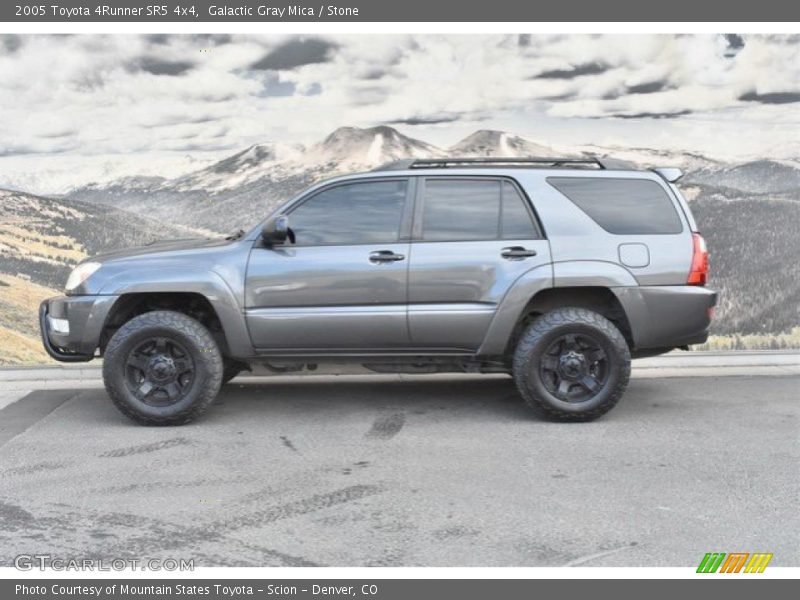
<point x="674" y="364"/>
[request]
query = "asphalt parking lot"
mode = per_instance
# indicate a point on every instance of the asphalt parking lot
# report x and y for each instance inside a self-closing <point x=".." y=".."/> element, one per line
<point x="442" y="471"/>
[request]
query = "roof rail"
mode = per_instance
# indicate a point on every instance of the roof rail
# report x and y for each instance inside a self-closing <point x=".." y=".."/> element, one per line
<point x="590" y="162"/>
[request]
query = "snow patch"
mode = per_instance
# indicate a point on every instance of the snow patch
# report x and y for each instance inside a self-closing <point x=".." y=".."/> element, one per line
<point x="375" y="149"/>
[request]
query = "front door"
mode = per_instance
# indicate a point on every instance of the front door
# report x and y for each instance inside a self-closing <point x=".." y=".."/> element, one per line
<point x="472" y="239"/>
<point x="343" y="285"/>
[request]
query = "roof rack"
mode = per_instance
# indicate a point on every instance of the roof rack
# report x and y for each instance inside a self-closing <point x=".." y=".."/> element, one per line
<point x="590" y="162"/>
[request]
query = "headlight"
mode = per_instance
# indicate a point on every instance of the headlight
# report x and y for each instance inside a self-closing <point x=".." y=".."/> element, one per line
<point x="80" y="274"/>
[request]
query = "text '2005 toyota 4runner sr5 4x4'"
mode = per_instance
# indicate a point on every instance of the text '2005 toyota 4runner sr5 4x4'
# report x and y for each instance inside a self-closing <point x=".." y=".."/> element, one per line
<point x="557" y="271"/>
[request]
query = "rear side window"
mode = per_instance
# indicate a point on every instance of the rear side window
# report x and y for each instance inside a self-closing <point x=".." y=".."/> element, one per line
<point x="622" y="206"/>
<point x="515" y="220"/>
<point x="474" y="209"/>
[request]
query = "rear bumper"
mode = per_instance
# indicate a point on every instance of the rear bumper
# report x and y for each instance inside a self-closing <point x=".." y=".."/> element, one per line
<point x="668" y="316"/>
<point x="70" y="326"/>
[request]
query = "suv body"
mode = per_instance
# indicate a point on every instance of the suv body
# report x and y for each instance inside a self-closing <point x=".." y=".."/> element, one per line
<point x="420" y="266"/>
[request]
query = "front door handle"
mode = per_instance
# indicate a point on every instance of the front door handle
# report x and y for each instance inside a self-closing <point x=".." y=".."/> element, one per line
<point x="517" y="253"/>
<point x="380" y="256"/>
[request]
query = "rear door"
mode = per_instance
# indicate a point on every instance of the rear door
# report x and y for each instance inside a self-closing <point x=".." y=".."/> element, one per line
<point x="473" y="237"/>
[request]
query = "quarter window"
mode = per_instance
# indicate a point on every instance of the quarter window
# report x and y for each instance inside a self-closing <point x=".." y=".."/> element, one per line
<point x="349" y="214"/>
<point x="622" y="206"/>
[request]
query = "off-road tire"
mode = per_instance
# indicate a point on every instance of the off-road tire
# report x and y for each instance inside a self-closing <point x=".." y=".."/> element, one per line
<point x="536" y="339"/>
<point x="194" y="337"/>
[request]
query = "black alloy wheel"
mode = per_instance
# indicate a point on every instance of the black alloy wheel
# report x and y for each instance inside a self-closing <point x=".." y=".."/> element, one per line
<point x="571" y="364"/>
<point x="162" y="368"/>
<point x="159" y="371"/>
<point x="574" y="367"/>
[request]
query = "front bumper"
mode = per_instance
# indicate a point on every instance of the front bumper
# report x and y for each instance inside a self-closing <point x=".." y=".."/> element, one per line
<point x="71" y="326"/>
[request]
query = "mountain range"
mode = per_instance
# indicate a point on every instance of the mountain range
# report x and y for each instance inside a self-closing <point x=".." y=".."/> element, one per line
<point x="239" y="190"/>
<point x="41" y="240"/>
<point x="749" y="212"/>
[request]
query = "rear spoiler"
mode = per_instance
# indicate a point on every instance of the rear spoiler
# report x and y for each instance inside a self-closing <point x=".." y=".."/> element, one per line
<point x="669" y="174"/>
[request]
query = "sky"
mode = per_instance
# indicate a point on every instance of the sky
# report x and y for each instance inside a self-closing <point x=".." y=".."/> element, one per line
<point x="84" y="106"/>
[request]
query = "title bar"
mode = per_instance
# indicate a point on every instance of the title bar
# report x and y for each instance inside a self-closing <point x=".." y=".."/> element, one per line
<point x="194" y="11"/>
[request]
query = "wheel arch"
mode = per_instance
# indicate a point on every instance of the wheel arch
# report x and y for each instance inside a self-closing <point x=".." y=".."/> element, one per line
<point x="583" y="284"/>
<point x="595" y="298"/>
<point x="210" y="305"/>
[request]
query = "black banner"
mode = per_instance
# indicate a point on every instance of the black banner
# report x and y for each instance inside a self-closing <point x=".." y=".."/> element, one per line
<point x="386" y="589"/>
<point x="163" y="11"/>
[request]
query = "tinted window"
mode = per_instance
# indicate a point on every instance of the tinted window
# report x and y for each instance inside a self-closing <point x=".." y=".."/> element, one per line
<point x="460" y="210"/>
<point x="515" y="221"/>
<point x="622" y="206"/>
<point x="356" y="213"/>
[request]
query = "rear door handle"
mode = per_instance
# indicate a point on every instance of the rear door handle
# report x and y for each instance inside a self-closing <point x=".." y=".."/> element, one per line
<point x="380" y="256"/>
<point x="517" y="253"/>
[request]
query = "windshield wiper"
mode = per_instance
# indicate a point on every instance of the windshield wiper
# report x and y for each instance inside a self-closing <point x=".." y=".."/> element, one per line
<point x="235" y="235"/>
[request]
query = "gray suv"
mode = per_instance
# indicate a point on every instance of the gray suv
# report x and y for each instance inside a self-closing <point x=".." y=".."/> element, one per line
<point x="556" y="271"/>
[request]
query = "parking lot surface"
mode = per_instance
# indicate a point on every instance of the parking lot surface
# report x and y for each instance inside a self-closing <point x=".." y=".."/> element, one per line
<point x="411" y="471"/>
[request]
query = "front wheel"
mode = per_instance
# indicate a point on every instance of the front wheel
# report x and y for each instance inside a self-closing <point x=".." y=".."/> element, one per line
<point x="162" y="368"/>
<point x="571" y="364"/>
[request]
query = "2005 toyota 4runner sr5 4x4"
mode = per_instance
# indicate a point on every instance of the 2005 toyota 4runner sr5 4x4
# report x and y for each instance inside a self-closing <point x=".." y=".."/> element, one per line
<point x="556" y="271"/>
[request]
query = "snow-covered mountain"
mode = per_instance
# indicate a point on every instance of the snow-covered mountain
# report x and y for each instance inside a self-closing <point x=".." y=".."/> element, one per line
<point x="261" y="176"/>
<point x="243" y="168"/>
<point x="352" y="146"/>
<point x="239" y="189"/>
<point x="650" y="158"/>
<point x="487" y="142"/>
<point x="756" y="177"/>
<point x="758" y="295"/>
<point x="49" y="174"/>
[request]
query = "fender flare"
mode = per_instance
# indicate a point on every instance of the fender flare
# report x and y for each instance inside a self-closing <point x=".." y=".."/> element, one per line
<point x="583" y="273"/>
<point x="206" y="283"/>
<point x="511" y="306"/>
<point x="619" y="281"/>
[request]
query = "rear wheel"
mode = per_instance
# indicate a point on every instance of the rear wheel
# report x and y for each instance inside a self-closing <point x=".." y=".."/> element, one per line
<point x="572" y="364"/>
<point x="162" y="368"/>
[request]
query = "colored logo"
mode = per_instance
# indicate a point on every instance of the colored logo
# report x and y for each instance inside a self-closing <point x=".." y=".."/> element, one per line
<point x="735" y="562"/>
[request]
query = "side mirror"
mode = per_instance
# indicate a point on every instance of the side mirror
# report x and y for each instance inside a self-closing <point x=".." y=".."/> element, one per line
<point x="277" y="231"/>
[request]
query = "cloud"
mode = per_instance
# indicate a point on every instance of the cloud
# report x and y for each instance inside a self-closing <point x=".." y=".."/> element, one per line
<point x="592" y="68"/>
<point x="426" y="120"/>
<point x="375" y="74"/>
<point x="58" y="133"/>
<point x="178" y="119"/>
<point x="156" y="66"/>
<point x="651" y="115"/>
<point x="212" y="39"/>
<point x="138" y="94"/>
<point x="161" y="39"/>
<point x="771" y="97"/>
<point x="10" y="43"/>
<point x="648" y="88"/>
<point x="735" y="43"/>
<point x="296" y="53"/>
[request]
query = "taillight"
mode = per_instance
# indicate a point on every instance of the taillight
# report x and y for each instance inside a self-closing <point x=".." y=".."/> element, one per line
<point x="698" y="274"/>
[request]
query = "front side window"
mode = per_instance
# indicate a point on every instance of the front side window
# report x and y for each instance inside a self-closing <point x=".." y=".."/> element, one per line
<point x="473" y="209"/>
<point x="349" y="214"/>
